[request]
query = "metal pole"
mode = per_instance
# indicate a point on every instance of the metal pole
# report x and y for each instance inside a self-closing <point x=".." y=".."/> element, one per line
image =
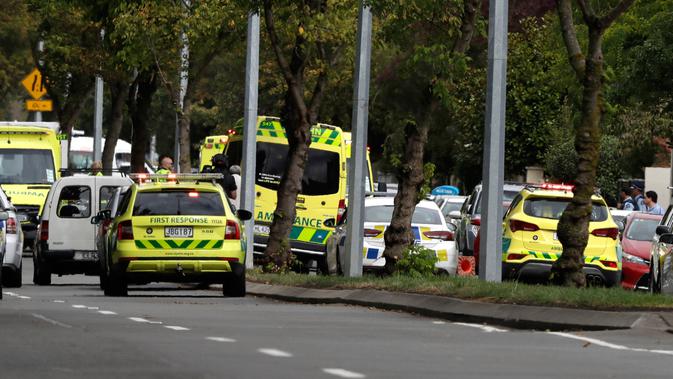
<point x="248" y="161"/>
<point x="98" y="116"/>
<point x="40" y="49"/>
<point x="357" y="169"/>
<point x="490" y="264"/>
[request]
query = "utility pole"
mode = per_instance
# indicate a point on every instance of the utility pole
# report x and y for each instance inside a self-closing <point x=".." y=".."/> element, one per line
<point x="248" y="161"/>
<point x="40" y="49"/>
<point x="356" y="171"/>
<point x="98" y="116"/>
<point x="490" y="264"/>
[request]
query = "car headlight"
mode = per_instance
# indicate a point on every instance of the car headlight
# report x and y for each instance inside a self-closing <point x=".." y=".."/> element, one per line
<point x="634" y="259"/>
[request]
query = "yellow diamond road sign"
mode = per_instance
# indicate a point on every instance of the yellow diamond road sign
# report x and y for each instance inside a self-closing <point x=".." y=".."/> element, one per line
<point x="34" y="84"/>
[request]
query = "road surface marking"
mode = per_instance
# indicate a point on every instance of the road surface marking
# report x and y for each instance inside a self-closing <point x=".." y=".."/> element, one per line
<point x="23" y="297"/>
<point x="79" y="306"/>
<point x="175" y="327"/>
<point x="10" y="294"/>
<point x="436" y="323"/>
<point x="92" y="308"/>
<point x="486" y="328"/>
<point x="140" y="319"/>
<point x="53" y="322"/>
<point x="107" y="312"/>
<point x="343" y="373"/>
<point x="220" y="339"/>
<point x="275" y="353"/>
<point x="59" y="301"/>
<point x="608" y="344"/>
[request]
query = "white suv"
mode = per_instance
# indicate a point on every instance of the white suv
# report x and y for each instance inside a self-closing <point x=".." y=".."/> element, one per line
<point x="12" y="262"/>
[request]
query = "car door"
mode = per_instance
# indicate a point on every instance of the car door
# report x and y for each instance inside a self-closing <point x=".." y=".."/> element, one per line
<point x="70" y="226"/>
<point x="661" y="255"/>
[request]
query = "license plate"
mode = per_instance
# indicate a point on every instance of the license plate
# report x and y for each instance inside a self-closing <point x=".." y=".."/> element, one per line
<point x="85" y="256"/>
<point x="262" y="229"/>
<point x="178" y="231"/>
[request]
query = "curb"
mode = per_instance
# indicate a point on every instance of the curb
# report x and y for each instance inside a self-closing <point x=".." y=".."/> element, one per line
<point x="509" y="315"/>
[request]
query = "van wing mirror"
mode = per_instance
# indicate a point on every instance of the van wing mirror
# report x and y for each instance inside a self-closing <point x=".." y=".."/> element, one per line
<point x="662" y="229"/>
<point x="330" y="223"/>
<point x="95" y="220"/>
<point x="666" y="238"/>
<point x="243" y="215"/>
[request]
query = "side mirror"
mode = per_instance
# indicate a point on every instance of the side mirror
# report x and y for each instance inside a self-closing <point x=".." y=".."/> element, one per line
<point x="330" y="223"/>
<point x="4" y="216"/>
<point x="95" y="220"/>
<point x="243" y="215"/>
<point x="454" y="215"/>
<point x="666" y="238"/>
<point x="452" y="227"/>
<point x="662" y="229"/>
<point x="382" y="187"/>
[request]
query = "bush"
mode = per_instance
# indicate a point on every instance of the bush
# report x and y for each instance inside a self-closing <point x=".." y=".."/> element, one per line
<point x="417" y="262"/>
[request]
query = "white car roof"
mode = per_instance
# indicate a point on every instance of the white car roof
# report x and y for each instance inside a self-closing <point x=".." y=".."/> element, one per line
<point x="85" y="179"/>
<point x="390" y="200"/>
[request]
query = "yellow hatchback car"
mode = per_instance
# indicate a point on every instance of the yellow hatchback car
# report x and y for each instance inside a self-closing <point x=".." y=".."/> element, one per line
<point x="173" y="228"/>
<point x="530" y="242"/>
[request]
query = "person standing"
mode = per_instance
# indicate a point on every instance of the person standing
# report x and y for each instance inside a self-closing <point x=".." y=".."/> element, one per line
<point x="627" y="202"/>
<point x="165" y="165"/>
<point x="96" y="168"/>
<point x="651" y="205"/>
<point x="220" y="165"/>
<point x="235" y="171"/>
<point x="638" y="198"/>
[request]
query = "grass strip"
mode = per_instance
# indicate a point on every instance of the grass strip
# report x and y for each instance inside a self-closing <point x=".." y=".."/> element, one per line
<point x="471" y="288"/>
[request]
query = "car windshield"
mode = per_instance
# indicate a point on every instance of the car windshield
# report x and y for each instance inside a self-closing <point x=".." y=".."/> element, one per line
<point x="172" y="203"/>
<point x="321" y="173"/>
<point x="80" y="160"/>
<point x="449" y="207"/>
<point x="383" y="214"/>
<point x="552" y="208"/>
<point x="26" y="166"/>
<point x="642" y="229"/>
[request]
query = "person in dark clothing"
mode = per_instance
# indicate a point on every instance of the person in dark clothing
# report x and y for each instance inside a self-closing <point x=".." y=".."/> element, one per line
<point x="220" y="165"/>
<point x="627" y="202"/>
<point x="638" y="198"/>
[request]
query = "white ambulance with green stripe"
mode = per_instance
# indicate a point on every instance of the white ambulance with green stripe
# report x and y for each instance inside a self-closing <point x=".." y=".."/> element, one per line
<point x="323" y="192"/>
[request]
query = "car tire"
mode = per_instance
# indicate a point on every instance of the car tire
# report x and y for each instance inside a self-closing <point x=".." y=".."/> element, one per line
<point x="234" y="282"/>
<point x="13" y="278"/>
<point x="116" y="284"/>
<point x="41" y="272"/>
<point x="654" y="280"/>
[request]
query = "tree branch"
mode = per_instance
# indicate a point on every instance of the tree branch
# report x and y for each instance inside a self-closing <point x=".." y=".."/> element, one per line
<point x="616" y="12"/>
<point x="575" y="55"/>
<point x="470" y="11"/>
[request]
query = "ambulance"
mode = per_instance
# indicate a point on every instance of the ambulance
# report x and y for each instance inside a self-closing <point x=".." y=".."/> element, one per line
<point x="211" y="145"/>
<point x="369" y="183"/>
<point x="323" y="192"/>
<point x="30" y="161"/>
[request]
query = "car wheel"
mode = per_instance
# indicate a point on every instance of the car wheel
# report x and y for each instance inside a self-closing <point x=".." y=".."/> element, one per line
<point x="41" y="272"/>
<point x="234" y="282"/>
<point x="13" y="278"/>
<point x="116" y="284"/>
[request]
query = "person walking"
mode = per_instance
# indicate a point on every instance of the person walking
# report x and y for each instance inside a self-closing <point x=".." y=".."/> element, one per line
<point x="165" y="165"/>
<point x="651" y="205"/>
<point x="638" y="198"/>
<point x="627" y="202"/>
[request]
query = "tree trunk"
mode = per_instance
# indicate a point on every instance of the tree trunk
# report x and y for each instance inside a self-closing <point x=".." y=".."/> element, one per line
<point x="398" y="236"/>
<point x="140" y="100"/>
<point x="118" y="93"/>
<point x="573" y="228"/>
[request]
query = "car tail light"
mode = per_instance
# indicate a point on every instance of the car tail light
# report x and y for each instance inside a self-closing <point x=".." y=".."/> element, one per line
<point x="516" y="225"/>
<point x="609" y="264"/>
<point x="341" y="210"/>
<point x="371" y="232"/>
<point x="443" y="235"/>
<point x="44" y="231"/>
<point x="606" y="232"/>
<point x="557" y="187"/>
<point x="11" y="225"/>
<point x="193" y="194"/>
<point x="476" y="220"/>
<point x="515" y="257"/>
<point x="125" y="230"/>
<point x="232" y="231"/>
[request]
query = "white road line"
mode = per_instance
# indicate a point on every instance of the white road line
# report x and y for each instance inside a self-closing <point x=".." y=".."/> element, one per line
<point x="10" y="293"/>
<point x="486" y="328"/>
<point x="439" y="322"/>
<point x="220" y="339"/>
<point x="140" y="319"/>
<point x="79" y="306"/>
<point x="53" y="322"/>
<point x="59" y="301"/>
<point x="609" y="345"/>
<point x="107" y="312"/>
<point x="175" y="327"/>
<point x="275" y="353"/>
<point x="23" y="297"/>
<point x="92" y="308"/>
<point x="343" y="373"/>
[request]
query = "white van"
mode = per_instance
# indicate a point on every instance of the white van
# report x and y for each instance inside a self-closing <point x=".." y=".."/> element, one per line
<point x="81" y="155"/>
<point x="66" y="239"/>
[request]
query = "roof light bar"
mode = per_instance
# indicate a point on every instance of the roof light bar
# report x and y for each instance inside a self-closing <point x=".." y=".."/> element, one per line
<point x="175" y="177"/>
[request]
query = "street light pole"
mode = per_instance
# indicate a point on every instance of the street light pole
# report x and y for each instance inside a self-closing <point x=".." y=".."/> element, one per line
<point x="490" y="264"/>
<point x="98" y="115"/>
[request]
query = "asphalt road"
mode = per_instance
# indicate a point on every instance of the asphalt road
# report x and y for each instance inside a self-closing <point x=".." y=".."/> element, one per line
<point x="70" y="330"/>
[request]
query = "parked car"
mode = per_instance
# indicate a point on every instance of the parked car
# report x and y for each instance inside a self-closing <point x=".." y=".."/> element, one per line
<point x="636" y="243"/>
<point x="4" y="216"/>
<point x="619" y="215"/>
<point x="428" y="225"/>
<point x="66" y="238"/>
<point x="448" y="204"/>
<point x="12" y="262"/>
<point x="661" y="260"/>
<point x="469" y="217"/>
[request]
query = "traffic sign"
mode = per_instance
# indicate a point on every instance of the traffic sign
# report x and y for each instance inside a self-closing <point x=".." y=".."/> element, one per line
<point x="39" y="105"/>
<point x="34" y="84"/>
<point x="445" y="190"/>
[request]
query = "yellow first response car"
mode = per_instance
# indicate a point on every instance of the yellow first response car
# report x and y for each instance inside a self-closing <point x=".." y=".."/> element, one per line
<point x="174" y="228"/>
<point x="530" y="242"/>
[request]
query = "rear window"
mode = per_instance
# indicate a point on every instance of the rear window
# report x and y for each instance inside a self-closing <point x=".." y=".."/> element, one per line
<point x="321" y="174"/>
<point x="551" y="208"/>
<point x="642" y="229"/>
<point x="450" y="207"/>
<point x="384" y="213"/>
<point x="172" y="203"/>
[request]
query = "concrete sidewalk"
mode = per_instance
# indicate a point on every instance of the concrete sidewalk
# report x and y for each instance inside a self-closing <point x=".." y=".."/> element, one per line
<point x="511" y="315"/>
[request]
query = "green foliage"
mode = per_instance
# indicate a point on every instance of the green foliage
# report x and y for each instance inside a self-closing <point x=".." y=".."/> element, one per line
<point x="417" y="262"/>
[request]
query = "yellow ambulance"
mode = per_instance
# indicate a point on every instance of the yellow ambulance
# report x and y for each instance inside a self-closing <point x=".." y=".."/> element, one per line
<point x="30" y="161"/>
<point x="323" y="192"/>
<point x="211" y="145"/>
